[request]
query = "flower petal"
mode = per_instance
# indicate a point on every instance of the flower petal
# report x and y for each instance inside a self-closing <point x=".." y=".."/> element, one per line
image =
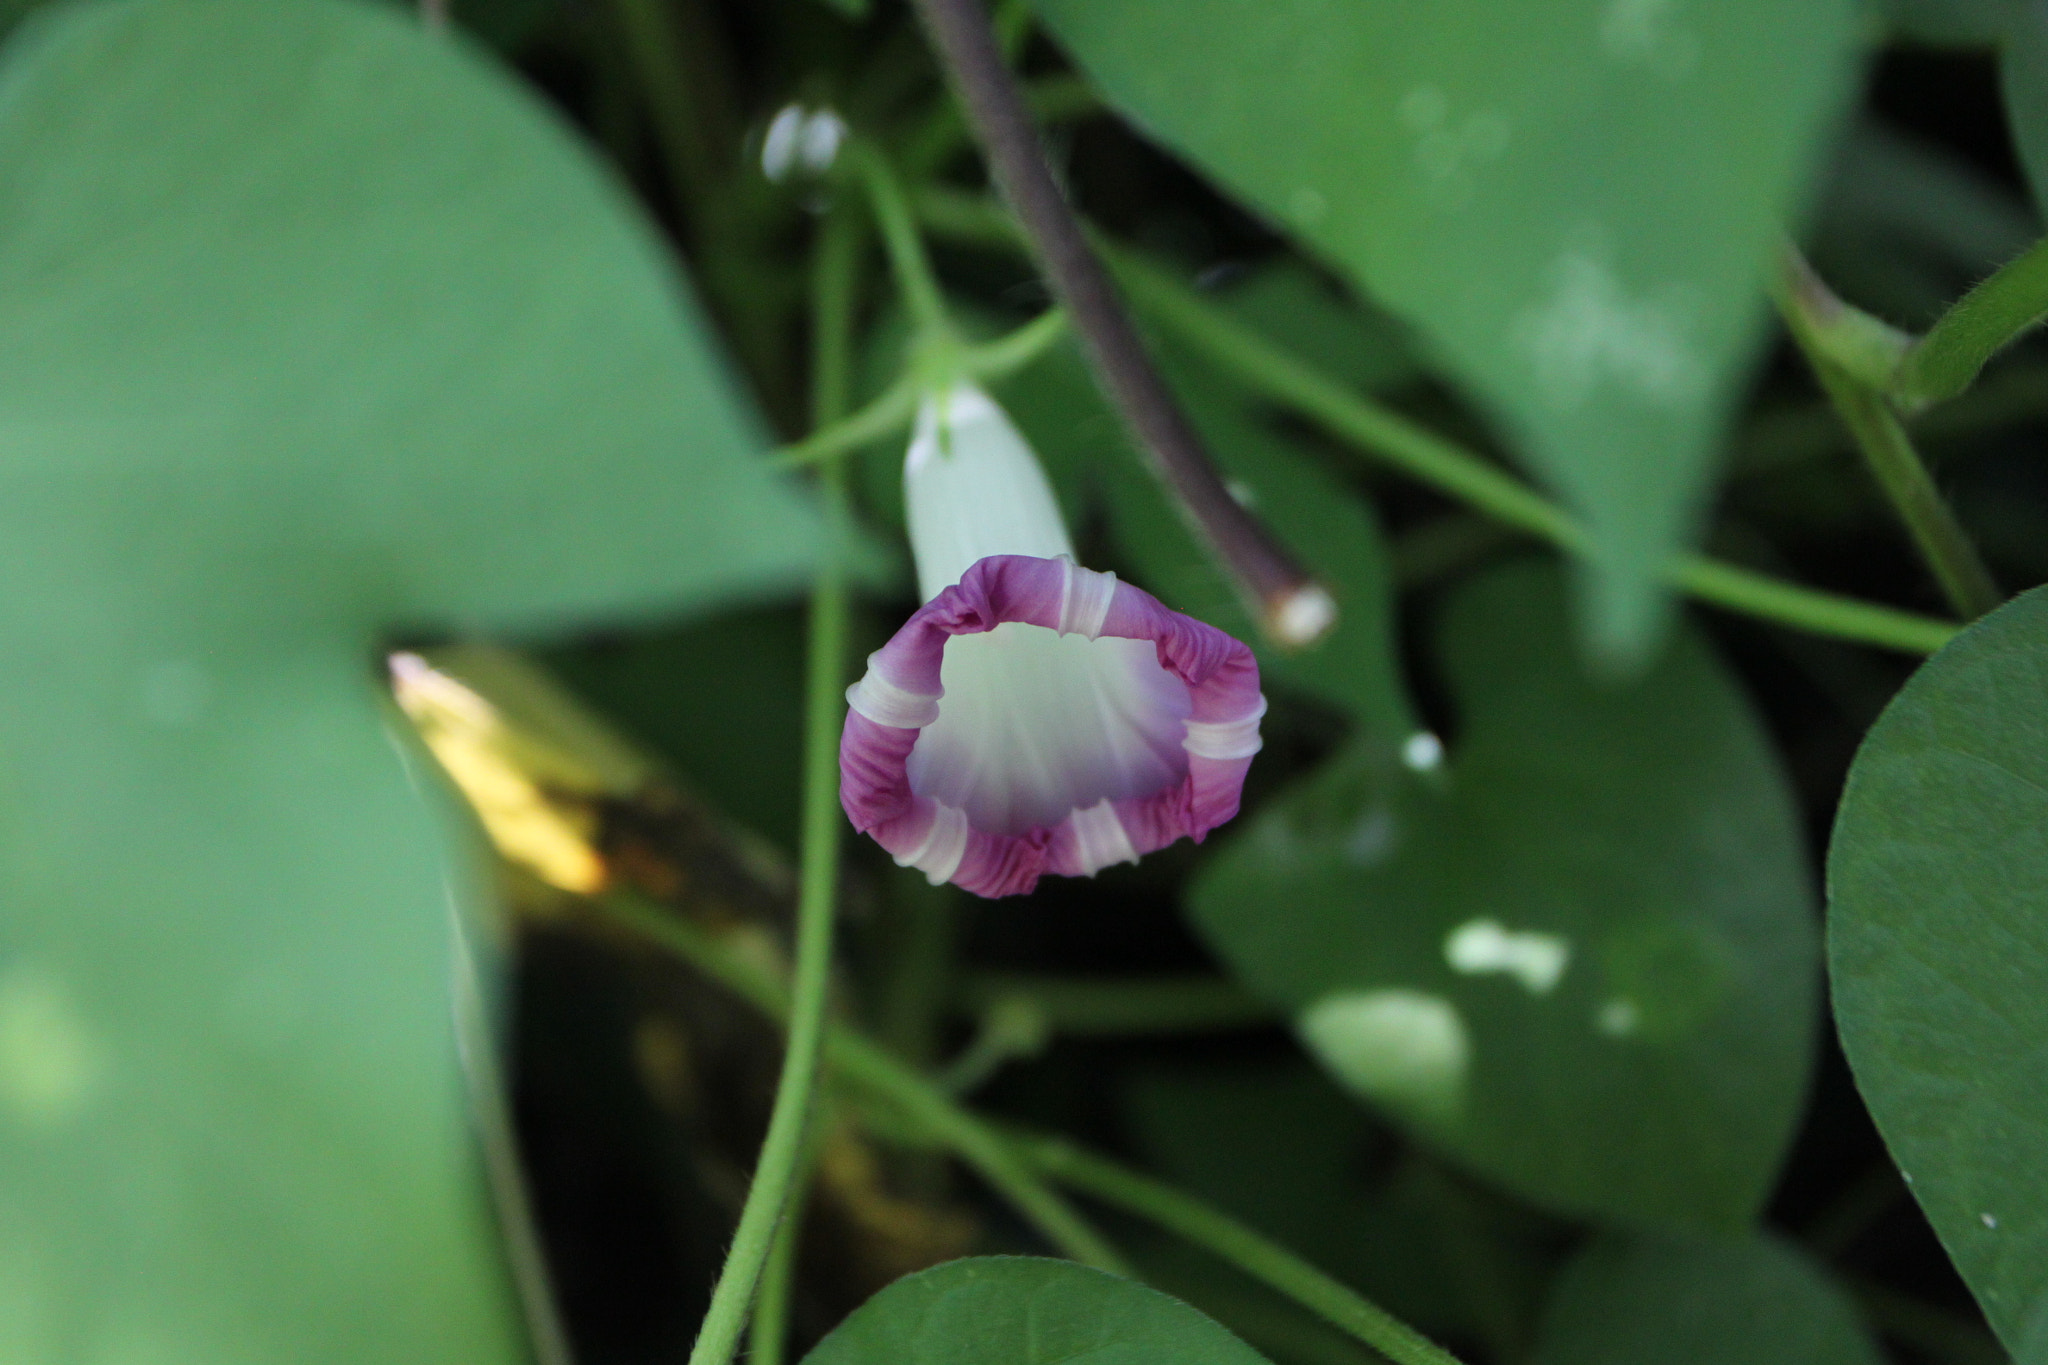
<point x="972" y="488"/>
<point x="1035" y="724"/>
<point x="1039" y="717"/>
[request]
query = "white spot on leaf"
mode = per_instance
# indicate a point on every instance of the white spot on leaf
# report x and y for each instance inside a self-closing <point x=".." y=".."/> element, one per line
<point x="1450" y="148"/>
<point x="1533" y="958"/>
<point x="1423" y="752"/>
<point x="1406" y="1049"/>
<point x="1590" y="333"/>
<point x="1308" y="205"/>
<point x="1619" y="1017"/>
<point x="1649" y="34"/>
<point x="1373" y="838"/>
<point x="50" y="1064"/>
<point x="1989" y="1220"/>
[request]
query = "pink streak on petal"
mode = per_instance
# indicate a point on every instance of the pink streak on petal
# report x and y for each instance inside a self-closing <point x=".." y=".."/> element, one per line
<point x="1221" y="675"/>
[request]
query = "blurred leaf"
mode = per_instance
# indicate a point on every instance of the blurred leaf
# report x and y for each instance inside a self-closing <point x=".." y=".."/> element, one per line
<point x="1939" y="951"/>
<point x="1585" y="968"/>
<point x="1641" y="1300"/>
<point x="312" y="327"/>
<point x="2023" y="74"/>
<point x="1575" y="201"/>
<point x="1020" y="1310"/>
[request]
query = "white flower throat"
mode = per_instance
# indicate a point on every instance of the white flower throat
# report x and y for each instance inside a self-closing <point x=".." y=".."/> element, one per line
<point x="1033" y="724"/>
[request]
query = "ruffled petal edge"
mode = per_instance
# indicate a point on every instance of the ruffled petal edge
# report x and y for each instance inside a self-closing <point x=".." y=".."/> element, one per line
<point x="900" y="693"/>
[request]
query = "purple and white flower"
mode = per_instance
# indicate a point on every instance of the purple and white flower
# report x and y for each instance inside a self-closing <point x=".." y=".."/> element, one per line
<point x="1033" y="716"/>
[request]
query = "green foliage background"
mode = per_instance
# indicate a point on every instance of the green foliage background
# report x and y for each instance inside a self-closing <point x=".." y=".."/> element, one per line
<point x="328" y="329"/>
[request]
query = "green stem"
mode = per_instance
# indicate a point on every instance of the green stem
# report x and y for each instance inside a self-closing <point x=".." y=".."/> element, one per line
<point x="1015" y="1165"/>
<point x="1941" y="540"/>
<point x="1791" y="435"/>
<point x="1294" y="383"/>
<point x="1888" y="451"/>
<point x="835" y="267"/>
<point x="768" y="1329"/>
<point x="1014" y="350"/>
<point x="1981" y="324"/>
<point x="980" y="1145"/>
<point x="1012" y="1164"/>
<point x="1867" y="349"/>
<point x="1817" y="613"/>
<point x="907" y="1093"/>
<point x="887" y="413"/>
<point x="1010" y="1029"/>
<point x="1241" y="1246"/>
<point x="907" y="258"/>
<point x="818" y="876"/>
<point x="892" y="410"/>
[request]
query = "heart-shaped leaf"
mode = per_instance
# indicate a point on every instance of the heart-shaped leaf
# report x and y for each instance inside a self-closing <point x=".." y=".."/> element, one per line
<point x="1585" y="965"/>
<point x="1575" y="201"/>
<point x="1021" y="1310"/>
<point x="1938" y="951"/>
<point x="1660" y="1300"/>
<point x="312" y="328"/>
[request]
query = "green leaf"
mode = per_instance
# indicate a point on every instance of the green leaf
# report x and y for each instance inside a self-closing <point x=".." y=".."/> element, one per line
<point x="313" y="328"/>
<point x="2023" y="76"/>
<point x="1585" y="964"/>
<point x="1574" y="201"/>
<point x="1938" y="950"/>
<point x="1644" y="1300"/>
<point x="1020" y="1310"/>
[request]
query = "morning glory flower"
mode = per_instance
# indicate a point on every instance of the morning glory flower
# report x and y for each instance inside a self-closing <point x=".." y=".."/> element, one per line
<point x="1033" y="716"/>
